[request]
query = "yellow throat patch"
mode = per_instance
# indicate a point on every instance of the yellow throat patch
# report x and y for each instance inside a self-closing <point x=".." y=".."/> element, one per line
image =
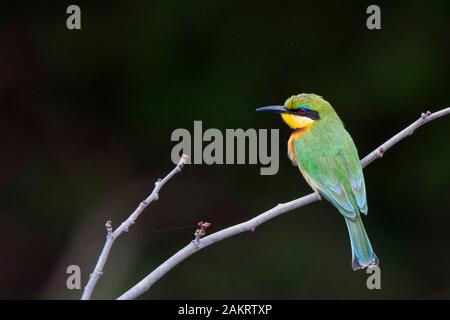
<point x="295" y="121"/>
<point x="300" y="125"/>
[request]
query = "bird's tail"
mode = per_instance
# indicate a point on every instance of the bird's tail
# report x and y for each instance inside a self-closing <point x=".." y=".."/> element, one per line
<point x="362" y="252"/>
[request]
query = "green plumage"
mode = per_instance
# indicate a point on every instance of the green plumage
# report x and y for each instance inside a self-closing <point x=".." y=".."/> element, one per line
<point x="328" y="158"/>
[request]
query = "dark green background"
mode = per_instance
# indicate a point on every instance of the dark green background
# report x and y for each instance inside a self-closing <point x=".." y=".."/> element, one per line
<point x="85" y="125"/>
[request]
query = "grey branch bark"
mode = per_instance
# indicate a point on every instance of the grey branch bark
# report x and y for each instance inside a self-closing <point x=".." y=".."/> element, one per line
<point x="250" y="225"/>
<point x="111" y="235"/>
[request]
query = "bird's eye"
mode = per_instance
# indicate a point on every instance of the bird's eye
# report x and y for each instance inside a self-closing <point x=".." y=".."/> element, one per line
<point x="302" y="111"/>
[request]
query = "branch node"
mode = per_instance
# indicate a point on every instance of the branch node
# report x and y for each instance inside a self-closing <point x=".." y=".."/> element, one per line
<point x="109" y="228"/>
<point x="381" y="152"/>
<point x="100" y="273"/>
<point x="127" y="226"/>
<point x="201" y="231"/>
<point x="195" y="243"/>
<point x="183" y="160"/>
<point x="425" y="115"/>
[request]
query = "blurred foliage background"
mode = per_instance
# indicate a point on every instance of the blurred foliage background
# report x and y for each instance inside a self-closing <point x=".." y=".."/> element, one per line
<point x="85" y="125"/>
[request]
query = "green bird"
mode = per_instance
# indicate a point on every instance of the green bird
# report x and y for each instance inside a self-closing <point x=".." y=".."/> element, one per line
<point x="328" y="160"/>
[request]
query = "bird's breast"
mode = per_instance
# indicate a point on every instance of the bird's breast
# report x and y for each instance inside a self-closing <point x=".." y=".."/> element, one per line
<point x="295" y="135"/>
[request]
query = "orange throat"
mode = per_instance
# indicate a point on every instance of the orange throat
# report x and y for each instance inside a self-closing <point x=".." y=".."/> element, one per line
<point x="296" y="134"/>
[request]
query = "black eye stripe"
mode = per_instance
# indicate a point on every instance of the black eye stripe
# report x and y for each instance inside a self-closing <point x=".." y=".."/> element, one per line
<point x="312" y="114"/>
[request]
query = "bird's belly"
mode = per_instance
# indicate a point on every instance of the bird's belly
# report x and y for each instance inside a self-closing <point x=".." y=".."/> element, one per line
<point x="309" y="180"/>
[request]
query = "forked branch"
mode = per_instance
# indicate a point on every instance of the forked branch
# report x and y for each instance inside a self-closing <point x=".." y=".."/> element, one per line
<point x="111" y="235"/>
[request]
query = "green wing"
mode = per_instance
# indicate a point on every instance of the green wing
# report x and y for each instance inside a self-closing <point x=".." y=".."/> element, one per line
<point x="328" y="157"/>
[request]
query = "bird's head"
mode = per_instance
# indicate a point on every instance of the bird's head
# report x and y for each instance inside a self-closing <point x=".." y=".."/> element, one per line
<point x="302" y="110"/>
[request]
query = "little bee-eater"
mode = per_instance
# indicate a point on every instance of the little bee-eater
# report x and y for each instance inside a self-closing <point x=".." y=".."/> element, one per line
<point x="328" y="160"/>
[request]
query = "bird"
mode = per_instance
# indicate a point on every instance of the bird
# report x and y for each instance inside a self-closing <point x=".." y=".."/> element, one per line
<point x="328" y="159"/>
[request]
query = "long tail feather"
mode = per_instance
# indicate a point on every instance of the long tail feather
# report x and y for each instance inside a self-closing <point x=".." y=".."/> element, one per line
<point x="362" y="252"/>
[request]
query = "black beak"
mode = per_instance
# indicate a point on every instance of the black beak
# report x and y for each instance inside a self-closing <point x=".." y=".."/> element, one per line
<point x="275" y="109"/>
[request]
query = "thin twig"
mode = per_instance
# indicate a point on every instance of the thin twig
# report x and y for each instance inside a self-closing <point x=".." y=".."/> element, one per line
<point x="408" y="131"/>
<point x="111" y="235"/>
<point x="251" y="224"/>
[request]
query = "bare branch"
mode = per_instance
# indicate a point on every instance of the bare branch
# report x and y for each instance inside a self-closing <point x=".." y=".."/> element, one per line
<point x="424" y="118"/>
<point x="250" y="225"/>
<point x="111" y="235"/>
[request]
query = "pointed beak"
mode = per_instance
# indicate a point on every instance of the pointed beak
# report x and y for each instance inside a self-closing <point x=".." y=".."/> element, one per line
<point x="275" y="109"/>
